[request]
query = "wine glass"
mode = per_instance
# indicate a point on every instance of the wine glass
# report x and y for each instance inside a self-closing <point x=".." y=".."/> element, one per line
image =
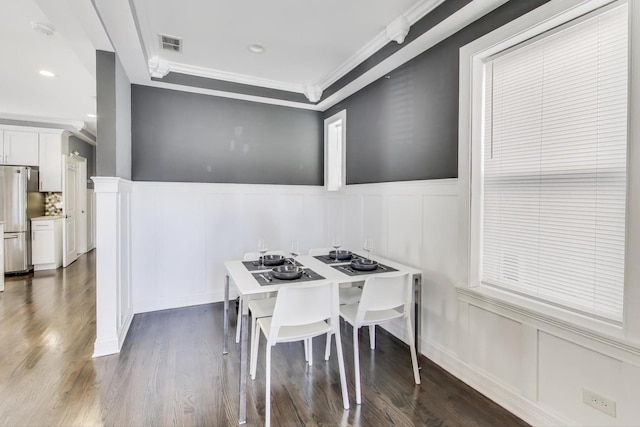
<point x="335" y="244"/>
<point x="368" y="246"/>
<point x="294" y="250"/>
<point x="263" y="247"/>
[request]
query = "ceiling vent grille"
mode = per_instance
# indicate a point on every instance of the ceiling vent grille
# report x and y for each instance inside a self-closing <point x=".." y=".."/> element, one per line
<point x="171" y="43"/>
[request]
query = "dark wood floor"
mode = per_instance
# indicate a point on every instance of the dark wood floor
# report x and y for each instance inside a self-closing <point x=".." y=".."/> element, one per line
<point x="171" y="370"/>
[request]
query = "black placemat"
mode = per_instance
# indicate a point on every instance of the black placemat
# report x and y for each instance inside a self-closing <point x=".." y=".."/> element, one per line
<point x="255" y="265"/>
<point x="350" y="271"/>
<point x="309" y="276"/>
<point x="328" y="260"/>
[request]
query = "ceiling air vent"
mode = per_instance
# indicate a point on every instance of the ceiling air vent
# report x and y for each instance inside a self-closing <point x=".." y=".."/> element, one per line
<point x="171" y="43"/>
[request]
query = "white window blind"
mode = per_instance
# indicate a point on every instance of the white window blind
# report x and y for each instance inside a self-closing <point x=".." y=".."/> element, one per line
<point x="554" y="166"/>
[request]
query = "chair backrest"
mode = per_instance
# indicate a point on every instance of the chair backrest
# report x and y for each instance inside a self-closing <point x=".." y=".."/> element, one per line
<point x="319" y="251"/>
<point x="384" y="293"/>
<point x="254" y="256"/>
<point x="304" y="303"/>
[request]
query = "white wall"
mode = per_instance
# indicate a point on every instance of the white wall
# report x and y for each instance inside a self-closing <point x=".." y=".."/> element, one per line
<point x="183" y="233"/>
<point x="114" y="304"/>
<point x="534" y="366"/>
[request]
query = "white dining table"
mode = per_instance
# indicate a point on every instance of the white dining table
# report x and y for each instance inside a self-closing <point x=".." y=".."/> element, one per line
<point x="248" y="287"/>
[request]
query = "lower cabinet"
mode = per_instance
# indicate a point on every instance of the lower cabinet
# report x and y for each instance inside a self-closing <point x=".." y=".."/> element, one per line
<point x="46" y="243"/>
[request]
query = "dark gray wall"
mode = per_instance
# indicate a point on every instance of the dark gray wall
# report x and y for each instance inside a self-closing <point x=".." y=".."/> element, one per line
<point x="186" y="137"/>
<point x="87" y="151"/>
<point x="404" y="126"/>
<point x="114" y="117"/>
<point x="106" y="108"/>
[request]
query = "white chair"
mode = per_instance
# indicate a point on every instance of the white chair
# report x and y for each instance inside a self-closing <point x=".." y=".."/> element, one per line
<point x="260" y="309"/>
<point x="263" y="307"/>
<point x="296" y="319"/>
<point x="383" y="298"/>
<point x="349" y="294"/>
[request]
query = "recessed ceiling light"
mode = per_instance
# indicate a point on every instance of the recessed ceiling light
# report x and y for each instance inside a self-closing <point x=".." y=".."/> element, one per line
<point x="93" y="116"/>
<point x="256" y="48"/>
<point x="47" y="73"/>
<point x="45" y="29"/>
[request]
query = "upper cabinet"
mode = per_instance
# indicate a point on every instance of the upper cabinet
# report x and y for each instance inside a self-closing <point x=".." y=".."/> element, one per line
<point x="20" y="148"/>
<point x="31" y="146"/>
<point x="50" y="168"/>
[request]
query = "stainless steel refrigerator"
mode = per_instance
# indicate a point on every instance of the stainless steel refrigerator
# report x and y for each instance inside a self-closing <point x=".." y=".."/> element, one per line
<point x="19" y="202"/>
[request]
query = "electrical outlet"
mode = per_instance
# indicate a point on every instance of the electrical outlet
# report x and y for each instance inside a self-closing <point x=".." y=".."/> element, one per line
<point x="602" y="404"/>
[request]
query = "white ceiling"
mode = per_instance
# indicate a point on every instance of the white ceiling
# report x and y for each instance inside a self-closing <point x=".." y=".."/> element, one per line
<point x="69" y="53"/>
<point x="305" y="42"/>
<point x="309" y="44"/>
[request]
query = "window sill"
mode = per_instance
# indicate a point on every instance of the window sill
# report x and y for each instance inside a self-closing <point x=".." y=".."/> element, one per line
<point x="573" y="326"/>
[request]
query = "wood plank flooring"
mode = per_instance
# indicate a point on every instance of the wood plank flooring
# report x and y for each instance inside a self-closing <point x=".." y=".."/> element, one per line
<point x="171" y="370"/>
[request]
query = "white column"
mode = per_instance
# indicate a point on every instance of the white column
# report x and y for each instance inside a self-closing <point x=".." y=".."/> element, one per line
<point x="114" y="310"/>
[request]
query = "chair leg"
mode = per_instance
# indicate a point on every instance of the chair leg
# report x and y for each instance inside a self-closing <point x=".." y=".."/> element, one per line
<point x="267" y="392"/>
<point x="412" y="349"/>
<point x="343" y="377"/>
<point x="327" y="349"/>
<point x="255" y="339"/>
<point x="356" y="364"/>
<point x="372" y="337"/>
<point x="239" y="322"/>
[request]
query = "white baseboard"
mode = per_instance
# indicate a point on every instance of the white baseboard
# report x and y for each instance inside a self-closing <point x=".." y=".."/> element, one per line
<point x="528" y="410"/>
<point x="124" y="330"/>
<point x="113" y="346"/>
<point x="106" y="347"/>
<point x="182" y="301"/>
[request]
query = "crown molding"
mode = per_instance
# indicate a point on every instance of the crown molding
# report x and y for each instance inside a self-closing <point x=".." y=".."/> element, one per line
<point x="398" y="29"/>
<point x="85" y="136"/>
<point x="414" y="14"/>
<point x="313" y="93"/>
<point x="158" y="67"/>
<point x="419" y="10"/>
<point x="444" y="29"/>
<point x="232" y="77"/>
<point x="232" y="95"/>
<point x="65" y="123"/>
<point x="395" y="31"/>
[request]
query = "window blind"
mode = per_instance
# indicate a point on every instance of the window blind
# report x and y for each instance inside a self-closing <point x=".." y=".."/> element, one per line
<point x="554" y="166"/>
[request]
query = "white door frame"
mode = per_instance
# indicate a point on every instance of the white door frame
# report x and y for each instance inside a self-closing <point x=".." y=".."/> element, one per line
<point x="81" y="207"/>
<point x="69" y="209"/>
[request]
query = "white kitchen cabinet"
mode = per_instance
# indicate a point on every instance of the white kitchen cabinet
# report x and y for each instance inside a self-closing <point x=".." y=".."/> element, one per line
<point x="46" y="243"/>
<point x="20" y="148"/>
<point x="50" y="169"/>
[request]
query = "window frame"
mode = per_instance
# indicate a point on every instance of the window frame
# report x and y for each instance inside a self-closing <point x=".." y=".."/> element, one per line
<point x="472" y="60"/>
<point x="341" y="117"/>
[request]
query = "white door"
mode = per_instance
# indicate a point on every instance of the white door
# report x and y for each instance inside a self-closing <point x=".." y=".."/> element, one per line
<point x="81" y="207"/>
<point x="69" y="202"/>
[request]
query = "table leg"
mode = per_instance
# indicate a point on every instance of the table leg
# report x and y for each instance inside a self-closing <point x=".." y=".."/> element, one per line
<point x="417" y="314"/>
<point x="244" y="338"/>
<point x="225" y="321"/>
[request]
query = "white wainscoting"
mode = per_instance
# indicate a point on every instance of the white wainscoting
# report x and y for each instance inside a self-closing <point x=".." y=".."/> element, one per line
<point x="183" y="233"/>
<point x="530" y="364"/>
<point x="114" y="307"/>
